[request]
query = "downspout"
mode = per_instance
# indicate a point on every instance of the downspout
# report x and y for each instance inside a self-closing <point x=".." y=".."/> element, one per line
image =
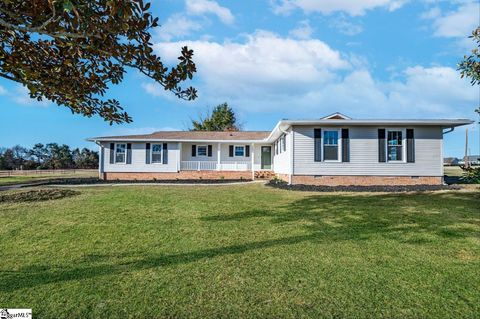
<point x="450" y="130"/>
<point x="101" y="160"/>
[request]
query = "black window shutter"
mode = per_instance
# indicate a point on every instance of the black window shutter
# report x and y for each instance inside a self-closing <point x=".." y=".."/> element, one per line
<point x="410" y="146"/>
<point x="247" y="150"/>
<point x="317" y="136"/>
<point x="230" y="150"/>
<point x="210" y="151"/>
<point x="147" y="153"/>
<point x="194" y="150"/>
<point x="382" y="156"/>
<point x="345" y="145"/>
<point x="165" y="153"/>
<point x="112" y="153"/>
<point x="129" y="153"/>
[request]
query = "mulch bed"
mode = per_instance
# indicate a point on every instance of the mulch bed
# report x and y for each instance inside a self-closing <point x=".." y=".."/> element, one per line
<point x="395" y="189"/>
<point x="37" y="195"/>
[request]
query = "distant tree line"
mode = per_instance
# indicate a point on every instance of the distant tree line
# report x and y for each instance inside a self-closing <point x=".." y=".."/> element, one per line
<point x="49" y="156"/>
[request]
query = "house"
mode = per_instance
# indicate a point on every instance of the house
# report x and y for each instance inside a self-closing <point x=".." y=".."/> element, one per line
<point x="450" y="161"/>
<point x="471" y="159"/>
<point x="334" y="150"/>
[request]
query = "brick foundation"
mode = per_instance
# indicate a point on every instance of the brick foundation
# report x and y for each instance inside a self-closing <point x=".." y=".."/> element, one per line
<point x="283" y="177"/>
<point x="365" y="180"/>
<point x="183" y="175"/>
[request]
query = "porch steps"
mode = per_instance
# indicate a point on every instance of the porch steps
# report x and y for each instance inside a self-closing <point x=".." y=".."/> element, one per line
<point x="264" y="175"/>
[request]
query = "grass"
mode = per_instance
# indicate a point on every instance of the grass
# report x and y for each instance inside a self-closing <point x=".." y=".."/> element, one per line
<point x="22" y="179"/>
<point x="454" y="171"/>
<point x="242" y="251"/>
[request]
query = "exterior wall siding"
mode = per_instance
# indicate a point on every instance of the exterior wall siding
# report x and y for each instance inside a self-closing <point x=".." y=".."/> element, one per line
<point x="364" y="155"/>
<point x="282" y="161"/>
<point x="138" y="160"/>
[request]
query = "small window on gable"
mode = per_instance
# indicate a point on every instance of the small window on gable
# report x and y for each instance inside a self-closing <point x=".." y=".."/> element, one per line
<point x="156" y="153"/>
<point x="239" y="151"/>
<point x="395" y="146"/>
<point x="330" y="145"/>
<point x="120" y="153"/>
<point x="202" y="150"/>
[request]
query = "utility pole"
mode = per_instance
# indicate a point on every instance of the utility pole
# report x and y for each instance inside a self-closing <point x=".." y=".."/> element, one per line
<point x="478" y="112"/>
<point x="465" y="159"/>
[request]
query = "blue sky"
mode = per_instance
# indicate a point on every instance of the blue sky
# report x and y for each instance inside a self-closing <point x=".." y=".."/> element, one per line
<point x="285" y="59"/>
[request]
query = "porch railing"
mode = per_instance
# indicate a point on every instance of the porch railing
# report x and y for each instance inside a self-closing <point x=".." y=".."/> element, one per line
<point x="213" y="166"/>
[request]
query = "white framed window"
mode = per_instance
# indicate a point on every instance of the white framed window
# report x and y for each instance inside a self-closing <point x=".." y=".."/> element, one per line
<point x="239" y="151"/>
<point x="331" y="145"/>
<point x="395" y="145"/>
<point x="157" y="153"/>
<point x="202" y="150"/>
<point x="284" y="143"/>
<point x="120" y="153"/>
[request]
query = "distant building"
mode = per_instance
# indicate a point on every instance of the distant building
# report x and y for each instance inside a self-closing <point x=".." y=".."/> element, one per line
<point x="450" y="161"/>
<point x="472" y="159"/>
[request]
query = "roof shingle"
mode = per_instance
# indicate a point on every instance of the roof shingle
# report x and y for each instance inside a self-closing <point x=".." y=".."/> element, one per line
<point x="193" y="135"/>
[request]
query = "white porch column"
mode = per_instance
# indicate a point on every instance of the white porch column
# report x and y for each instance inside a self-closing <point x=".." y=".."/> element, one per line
<point x="219" y="155"/>
<point x="252" y="154"/>
<point x="179" y="159"/>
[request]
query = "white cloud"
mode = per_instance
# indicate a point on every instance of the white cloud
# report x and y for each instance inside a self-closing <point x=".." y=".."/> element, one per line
<point x="2" y="90"/>
<point x="177" y="26"/>
<point x="201" y="7"/>
<point x="344" y="26"/>
<point x="303" y="31"/>
<point x="454" y="24"/>
<point x="22" y="96"/>
<point x="264" y="62"/>
<point x="351" y="7"/>
<point x="307" y="78"/>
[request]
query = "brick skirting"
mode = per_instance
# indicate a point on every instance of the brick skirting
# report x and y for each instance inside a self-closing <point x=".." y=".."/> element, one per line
<point x="183" y="175"/>
<point x="365" y="180"/>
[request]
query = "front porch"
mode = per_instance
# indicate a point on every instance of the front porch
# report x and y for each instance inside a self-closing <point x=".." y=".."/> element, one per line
<point x="215" y="166"/>
<point x="225" y="157"/>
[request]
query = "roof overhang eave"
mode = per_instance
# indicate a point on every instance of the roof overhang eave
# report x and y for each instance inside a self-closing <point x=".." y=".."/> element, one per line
<point x="94" y="139"/>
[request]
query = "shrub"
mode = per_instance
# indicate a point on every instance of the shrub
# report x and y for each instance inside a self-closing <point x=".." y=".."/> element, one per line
<point x="471" y="175"/>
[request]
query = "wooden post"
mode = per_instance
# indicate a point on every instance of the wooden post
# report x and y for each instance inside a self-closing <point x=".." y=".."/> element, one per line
<point x="252" y="154"/>
<point x="219" y="156"/>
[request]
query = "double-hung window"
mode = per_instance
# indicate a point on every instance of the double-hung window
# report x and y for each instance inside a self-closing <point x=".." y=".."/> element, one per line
<point x="202" y="150"/>
<point x="239" y="151"/>
<point x="120" y="153"/>
<point x="330" y="145"/>
<point x="395" y="145"/>
<point x="157" y="153"/>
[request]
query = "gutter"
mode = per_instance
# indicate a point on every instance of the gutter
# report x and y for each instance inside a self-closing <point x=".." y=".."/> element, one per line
<point x="95" y="140"/>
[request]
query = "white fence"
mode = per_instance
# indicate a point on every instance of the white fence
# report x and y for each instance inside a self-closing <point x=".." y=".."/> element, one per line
<point x="213" y="166"/>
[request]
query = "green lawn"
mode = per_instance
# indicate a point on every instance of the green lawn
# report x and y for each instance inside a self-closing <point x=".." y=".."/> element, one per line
<point x="242" y="251"/>
<point x="10" y="180"/>
<point x="453" y="171"/>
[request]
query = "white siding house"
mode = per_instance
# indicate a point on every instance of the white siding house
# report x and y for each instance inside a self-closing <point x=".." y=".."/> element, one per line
<point x="334" y="150"/>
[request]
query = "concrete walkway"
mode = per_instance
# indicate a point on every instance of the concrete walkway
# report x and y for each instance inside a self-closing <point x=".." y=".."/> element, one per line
<point x="18" y="186"/>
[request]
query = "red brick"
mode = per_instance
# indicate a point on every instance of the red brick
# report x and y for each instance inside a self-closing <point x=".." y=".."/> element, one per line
<point x="365" y="180"/>
<point x="180" y="175"/>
